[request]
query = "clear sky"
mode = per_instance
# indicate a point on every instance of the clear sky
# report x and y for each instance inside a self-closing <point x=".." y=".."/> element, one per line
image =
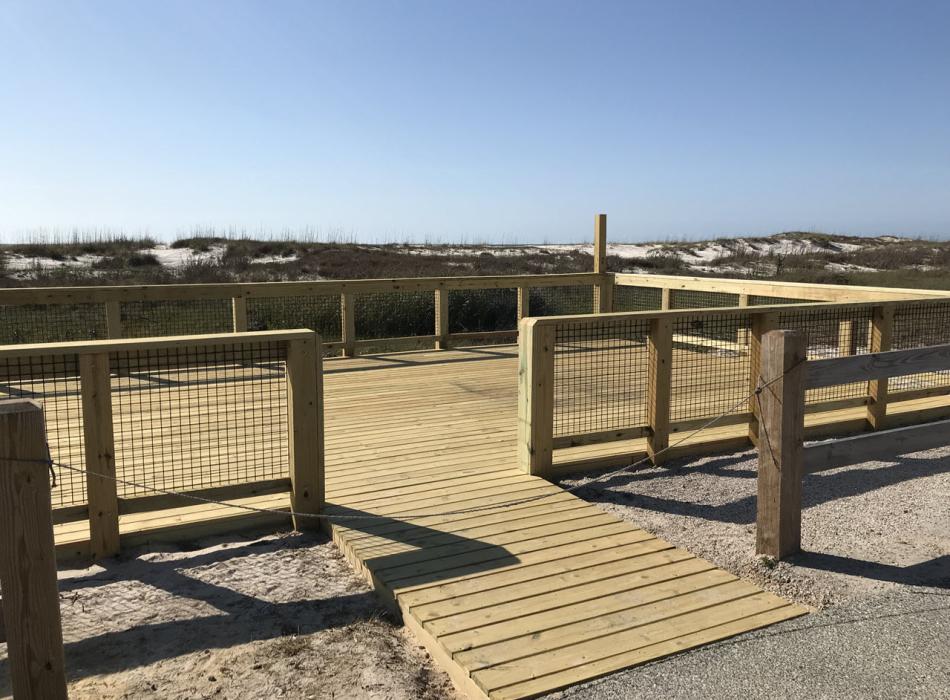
<point x="501" y="121"/>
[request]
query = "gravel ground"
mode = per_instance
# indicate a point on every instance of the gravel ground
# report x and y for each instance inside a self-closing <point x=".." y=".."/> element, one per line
<point x="272" y="616"/>
<point x="875" y="566"/>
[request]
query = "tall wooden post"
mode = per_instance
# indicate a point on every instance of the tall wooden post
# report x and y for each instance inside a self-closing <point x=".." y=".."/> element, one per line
<point x="113" y="319"/>
<point x="660" y="346"/>
<point x="442" y="319"/>
<point x="535" y="397"/>
<point x="239" y="314"/>
<point x="99" y="445"/>
<point x="28" y="556"/>
<point x="761" y="324"/>
<point x="348" y="323"/>
<point x="604" y="288"/>
<point x="305" y="419"/>
<point x="782" y="431"/>
<point x="882" y="333"/>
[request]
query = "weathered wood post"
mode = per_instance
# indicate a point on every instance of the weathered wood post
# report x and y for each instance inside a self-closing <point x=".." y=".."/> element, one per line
<point x="761" y="323"/>
<point x="305" y="429"/>
<point x="882" y="333"/>
<point x="239" y="314"/>
<point x="535" y="396"/>
<point x="660" y="347"/>
<point x="441" y="319"/>
<point x="28" y="557"/>
<point x="781" y="432"/>
<point x="348" y="324"/>
<point x="604" y="287"/>
<point x="99" y="446"/>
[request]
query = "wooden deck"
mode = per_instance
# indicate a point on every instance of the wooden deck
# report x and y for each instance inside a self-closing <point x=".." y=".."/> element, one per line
<point x="513" y="602"/>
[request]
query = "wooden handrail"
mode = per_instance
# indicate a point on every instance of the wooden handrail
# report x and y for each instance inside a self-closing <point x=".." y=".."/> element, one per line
<point x="879" y="365"/>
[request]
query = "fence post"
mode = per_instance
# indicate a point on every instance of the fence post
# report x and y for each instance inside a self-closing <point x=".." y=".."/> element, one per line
<point x="847" y="338"/>
<point x="99" y="446"/>
<point x="442" y="319"/>
<point x="239" y="313"/>
<point x="28" y="556"/>
<point x="348" y="322"/>
<point x="523" y="303"/>
<point x="779" y="504"/>
<point x="743" y="336"/>
<point x="535" y="397"/>
<point x="305" y="427"/>
<point x="604" y="288"/>
<point x="660" y="346"/>
<point x="113" y="319"/>
<point x="882" y="332"/>
<point x="761" y="324"/>
<point x="666" y="299"/>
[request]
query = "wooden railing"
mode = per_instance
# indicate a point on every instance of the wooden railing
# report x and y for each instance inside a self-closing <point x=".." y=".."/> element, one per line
<point x="182" y="414"/>
<point x="702" y="363"/>
<point x="785" y="376"/>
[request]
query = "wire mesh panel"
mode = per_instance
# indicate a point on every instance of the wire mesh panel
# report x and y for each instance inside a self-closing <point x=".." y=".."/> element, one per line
<point x="637" y="298"/>
<point x="394" y="314"/>
<point x="757" y="300"/>
<point x="318" y="313"/>
<point x="558" y="301"/>
<point x="53" y="382"/>
<point x="52" y="323"/>
<point x="710" y="372"/>
<point x="917" y="326"/>
<point x="144" y="319"/>
<point x="691" y="299"/>
<point x="194" y="417"/>
<point x="832" y="333"/>
<point x="483" y="310"/>
<point x="600" y="376"/>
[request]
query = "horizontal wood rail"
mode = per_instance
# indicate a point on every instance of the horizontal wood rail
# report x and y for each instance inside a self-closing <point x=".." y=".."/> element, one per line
<point x="784" y="460"/>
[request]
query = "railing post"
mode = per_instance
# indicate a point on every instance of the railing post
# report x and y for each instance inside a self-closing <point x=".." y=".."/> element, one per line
<point x="666" y="299"/>
<point x="535" y="397"/>
<point x="239" y="314"/>
<point x="524" y="303"/>
<point x="660" y="345"/>
<point x="442" y="319"/>
<point x="113" y="319"/>
<point x="744" y="334"/>
<point x="603" y="289"/>
<point x="779" y="502"/>
<point x="99" y="446"/>
<point x="305" y="429"/>
<point x="882" y="332"/>
<point x="761" y="324"/>
<point x="847" y="338"/>
<point x="348" y="323"/>
<point x="31" y="616"/>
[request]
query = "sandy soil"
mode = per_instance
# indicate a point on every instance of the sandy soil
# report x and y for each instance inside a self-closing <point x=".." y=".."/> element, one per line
<point x="272" y="616"/>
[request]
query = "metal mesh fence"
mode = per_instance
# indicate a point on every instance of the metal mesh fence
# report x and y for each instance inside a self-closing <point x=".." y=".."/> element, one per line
<point x="394" y="314"/>
<point x="194" y="417"/>
<point x="557" y="301"/>
<point x="318" y="313"/>
<point x="52" y="323"/>
<point x="628" y="298"/>
<point x="600" y="376"/>
<point x="691" y="299"/>
<point x="916" y="326"/>
<point x="710" y="369"/>
<point x="54" y="383"/>
<point x="146" y="319"/>
<point x="832" y="333"/>
<point x="483" y="310"/>
<point x="756" y="300"/>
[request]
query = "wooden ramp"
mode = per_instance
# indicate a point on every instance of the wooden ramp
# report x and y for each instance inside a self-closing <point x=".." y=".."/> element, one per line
<point x="521" y="600"/>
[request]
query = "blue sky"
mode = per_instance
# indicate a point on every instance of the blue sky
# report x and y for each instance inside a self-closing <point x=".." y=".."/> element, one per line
<point x="499" y="121"/>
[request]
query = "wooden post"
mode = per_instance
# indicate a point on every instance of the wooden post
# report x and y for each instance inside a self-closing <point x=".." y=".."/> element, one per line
<point x="762" y="323"/>
<point x="113" y="319"/>
<point x="847" y="338"/>
<point x="603" y="289"/>
<point x="666" y="299"/>
<point x="28" y="557"/>
<point x="348" y="321"/>
<point x="99" y="445"/>
<point x="523" y="303"/>
<point x="239" y="313"/>
<point x="882" y="332"/>
<point x="660" y="345"/>
<point x="442" y="319"/>
<point x="535" y="397"/>
<point x="744" y="335"/>
<point x="779" y="506"/>
<point x="305" y="428"/>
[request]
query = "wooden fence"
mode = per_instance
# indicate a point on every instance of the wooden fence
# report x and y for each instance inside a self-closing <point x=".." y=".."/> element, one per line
<point x="217" y="416"/>
<point x="786" y="375"/>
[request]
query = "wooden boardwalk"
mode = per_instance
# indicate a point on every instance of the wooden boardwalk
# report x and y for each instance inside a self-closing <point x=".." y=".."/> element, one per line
<point x="512" y="602"/>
